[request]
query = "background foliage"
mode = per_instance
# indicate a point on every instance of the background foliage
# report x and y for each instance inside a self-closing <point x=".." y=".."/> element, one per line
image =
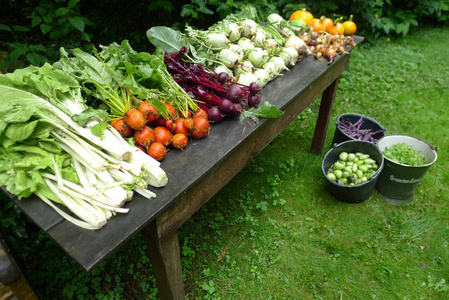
<point x="31" y="32"/>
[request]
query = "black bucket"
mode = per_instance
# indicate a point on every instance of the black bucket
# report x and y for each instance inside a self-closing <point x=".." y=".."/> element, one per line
<point x="368" y="123"/>
<point x="397" y="182"/>
<point x="352" y="193"/>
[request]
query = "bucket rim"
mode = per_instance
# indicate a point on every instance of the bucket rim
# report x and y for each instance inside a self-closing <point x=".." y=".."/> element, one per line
<point x="342" y="131"/>
<point x="434" y="149"/>
<point x="358" y="115"/>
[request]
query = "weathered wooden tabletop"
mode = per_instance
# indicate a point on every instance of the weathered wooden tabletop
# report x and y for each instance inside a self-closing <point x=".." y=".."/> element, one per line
<point x="292" y="93"/>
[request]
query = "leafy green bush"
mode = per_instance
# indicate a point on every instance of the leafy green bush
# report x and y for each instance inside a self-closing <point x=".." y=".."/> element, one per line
<point x="32" y="32"/>
<point x="374" y="18"/>
<point x="53" y="24"/>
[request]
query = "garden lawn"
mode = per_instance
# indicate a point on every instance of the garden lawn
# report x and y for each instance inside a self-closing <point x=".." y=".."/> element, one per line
<point x="275" y="232"/>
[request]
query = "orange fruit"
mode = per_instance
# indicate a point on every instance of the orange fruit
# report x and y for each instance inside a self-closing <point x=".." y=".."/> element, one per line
<point x="302" y="14"/>
<point x="317" y="24"/>
<point x="349" y="27"/>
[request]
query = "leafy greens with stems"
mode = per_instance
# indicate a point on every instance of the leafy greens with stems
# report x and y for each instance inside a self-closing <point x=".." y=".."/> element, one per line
<point x="45" y="151"/>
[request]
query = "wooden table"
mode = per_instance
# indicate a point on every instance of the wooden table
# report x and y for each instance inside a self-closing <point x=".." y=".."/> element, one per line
<point x="211" y="163"/>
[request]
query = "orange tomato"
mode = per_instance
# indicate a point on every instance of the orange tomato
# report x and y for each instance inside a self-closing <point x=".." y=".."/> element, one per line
<point x="337" y="28"/>
<point x="349" y="27"/>
<point x="328" y="22"/>
<point x="317" y="24"/>
<point x="302" y="14"/>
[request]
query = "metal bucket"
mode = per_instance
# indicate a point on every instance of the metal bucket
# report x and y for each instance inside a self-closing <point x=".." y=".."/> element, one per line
<point x="368" y="123"/>
<point x="352" y="193"/>
<point x="397" y="182"/>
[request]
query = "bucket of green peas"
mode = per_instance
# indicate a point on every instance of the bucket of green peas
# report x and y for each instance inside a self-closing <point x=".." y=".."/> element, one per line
<point x="407" y="160"/>
<point x="351" y="170"/>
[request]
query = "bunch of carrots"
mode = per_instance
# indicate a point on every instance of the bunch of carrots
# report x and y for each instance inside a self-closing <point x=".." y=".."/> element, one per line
<point x="155" y="134"/>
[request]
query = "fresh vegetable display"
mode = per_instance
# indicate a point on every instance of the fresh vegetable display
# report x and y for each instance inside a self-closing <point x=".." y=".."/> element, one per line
<point x="324" y="23"/>
<point x="355" y="131"/>
<point x="352" y="168"/>
<point x="216" y="93"/>
<point x="327" y="38"/>
<point x="403" y="153"/>
<point x="49" y="149"/>
<point x="90" y="130"/>
<point x="239" y="45"/>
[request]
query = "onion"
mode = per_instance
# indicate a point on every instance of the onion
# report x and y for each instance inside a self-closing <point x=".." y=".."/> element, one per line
<point x="215" y="115"/>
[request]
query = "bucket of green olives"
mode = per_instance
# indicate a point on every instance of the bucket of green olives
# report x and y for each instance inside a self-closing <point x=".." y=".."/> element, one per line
<point x="351" y="169"/>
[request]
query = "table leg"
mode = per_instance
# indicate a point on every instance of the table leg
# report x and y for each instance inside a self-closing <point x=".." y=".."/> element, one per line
<point x="166" y="259"/>
<point x="13" y="285"/>
<point x="324" y="115"/>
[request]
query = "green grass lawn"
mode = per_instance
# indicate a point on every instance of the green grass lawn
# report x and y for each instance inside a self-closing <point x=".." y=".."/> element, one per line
<point x="275" y="232"/>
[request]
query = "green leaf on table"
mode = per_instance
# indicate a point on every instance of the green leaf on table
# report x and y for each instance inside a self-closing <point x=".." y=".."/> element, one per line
<point x="265" y="111"/>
